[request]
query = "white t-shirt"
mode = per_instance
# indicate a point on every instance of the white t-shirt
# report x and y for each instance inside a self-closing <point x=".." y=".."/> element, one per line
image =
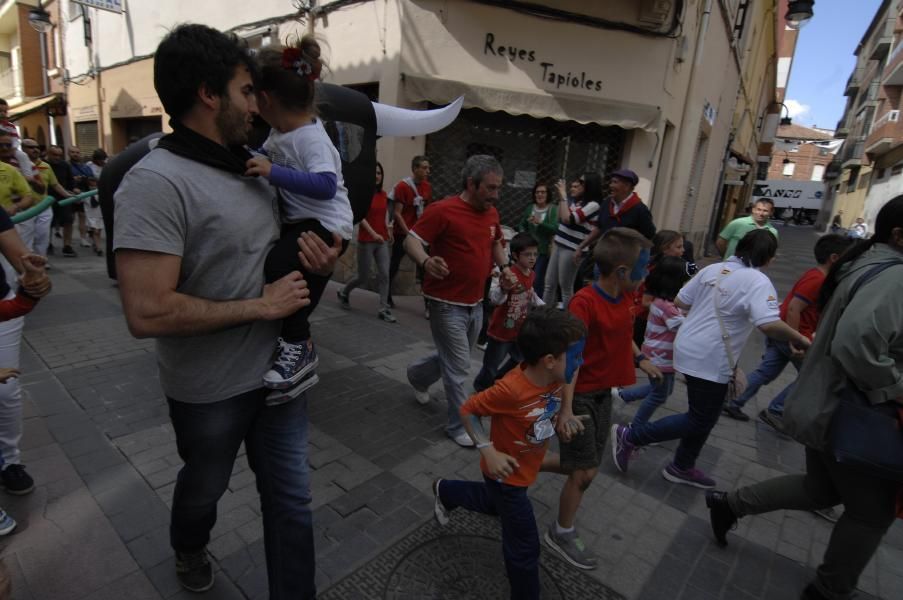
<point x="309" y="148"/>
<point x="746" y="299"/>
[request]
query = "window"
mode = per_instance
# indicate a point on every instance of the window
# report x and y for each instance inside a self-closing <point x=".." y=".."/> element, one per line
<point x="851" y="182"/>
<point x="818" y="172"/>
<point x="896" y="170"/>
<point x="881" y="173"/>
<point x="789" y="167"/>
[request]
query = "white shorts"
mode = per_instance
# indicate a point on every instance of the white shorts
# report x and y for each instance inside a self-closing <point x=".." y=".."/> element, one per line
<point x="95" y="223"/>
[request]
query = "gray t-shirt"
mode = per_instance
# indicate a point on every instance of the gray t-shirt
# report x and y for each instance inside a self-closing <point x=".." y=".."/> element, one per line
<point x="222" y="225"/>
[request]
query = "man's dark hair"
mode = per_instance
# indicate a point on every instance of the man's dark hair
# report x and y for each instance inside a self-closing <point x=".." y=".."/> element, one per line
<point x="193" y="55"/>
<point x="548" y="330"/>
<point x="521" y="242"/>
<point x="764" y="201"/>
<point x="831" y="244"/>
<point x="668" y="276"/>
<point x="99" y="154"/>
<point x="757" y="248"/>
<point x="420" y="158"/>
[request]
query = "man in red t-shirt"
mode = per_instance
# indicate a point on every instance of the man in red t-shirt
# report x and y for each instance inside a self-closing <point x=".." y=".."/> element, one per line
<point x="410" y="197"/>
<point x="464" y="239"/>
<point x="800" y="311"/>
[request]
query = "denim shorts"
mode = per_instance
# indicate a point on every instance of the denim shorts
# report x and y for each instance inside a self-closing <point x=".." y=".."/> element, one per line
<point x="585" y="450"/>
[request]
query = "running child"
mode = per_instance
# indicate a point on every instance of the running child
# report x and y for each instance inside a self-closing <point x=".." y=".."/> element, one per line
<point x="305" y="167"/>
<point x="523" y="406"/>
<point x="662" y="283"/>
<point x="509" y="313"/>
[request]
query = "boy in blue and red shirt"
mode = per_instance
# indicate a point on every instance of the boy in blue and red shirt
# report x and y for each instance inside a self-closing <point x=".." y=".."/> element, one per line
<point x="800" y="311"/>
<point x="621" y="256"/>
<point x="523" y="406"/>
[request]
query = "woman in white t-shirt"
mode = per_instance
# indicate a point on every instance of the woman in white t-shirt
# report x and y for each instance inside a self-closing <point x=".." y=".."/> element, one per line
<point x="306" y="169"/>
<point x="744" y="298"/>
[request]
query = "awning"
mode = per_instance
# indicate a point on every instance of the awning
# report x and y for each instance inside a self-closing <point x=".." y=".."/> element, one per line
<point x="518" y="102"/>
<point x="17" y="112"/>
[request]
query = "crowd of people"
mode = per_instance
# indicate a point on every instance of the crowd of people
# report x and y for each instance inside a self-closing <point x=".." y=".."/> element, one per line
<point x="223" y="254"/>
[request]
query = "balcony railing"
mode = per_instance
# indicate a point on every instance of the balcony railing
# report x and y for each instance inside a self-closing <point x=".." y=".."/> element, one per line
<point x="891" y="116"/>
<point x="886" y="134"/>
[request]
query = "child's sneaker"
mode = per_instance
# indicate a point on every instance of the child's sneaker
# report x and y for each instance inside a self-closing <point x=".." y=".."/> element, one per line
<point x="7" y="523"/>
<point x="439" y="510"/>
<point x="621" y="448"/>
<point x="293" y="363"/>
<point x="571" y="548"/>
<point x="693" y="477"/>
<point x="343" y="299"/>
<point x="387" y="316"/>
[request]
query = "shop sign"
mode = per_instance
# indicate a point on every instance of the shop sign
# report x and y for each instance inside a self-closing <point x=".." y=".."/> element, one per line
<point x="786" y="193"/>
<point x="553" y="76"/>
<point x="110" y="5"/>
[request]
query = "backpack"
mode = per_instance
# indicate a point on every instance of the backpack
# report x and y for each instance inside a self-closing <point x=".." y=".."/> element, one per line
<point x="418" y="200"/>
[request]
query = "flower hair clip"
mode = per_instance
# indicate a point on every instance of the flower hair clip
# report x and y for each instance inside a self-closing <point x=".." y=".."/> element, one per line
<point x="292" y="59"/>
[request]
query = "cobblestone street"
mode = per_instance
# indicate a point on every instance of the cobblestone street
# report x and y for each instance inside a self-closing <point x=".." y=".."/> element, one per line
<point x="99" y="445"/>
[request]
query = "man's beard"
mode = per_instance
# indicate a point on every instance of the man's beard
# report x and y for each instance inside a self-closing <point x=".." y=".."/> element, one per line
<point x="232" y="124"/>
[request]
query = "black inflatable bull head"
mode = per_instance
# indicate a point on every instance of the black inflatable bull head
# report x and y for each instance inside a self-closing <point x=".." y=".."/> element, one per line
<point x="352" y="121"/>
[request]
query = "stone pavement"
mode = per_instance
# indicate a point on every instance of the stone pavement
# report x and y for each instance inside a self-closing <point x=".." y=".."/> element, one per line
<point x="99" y="444"/>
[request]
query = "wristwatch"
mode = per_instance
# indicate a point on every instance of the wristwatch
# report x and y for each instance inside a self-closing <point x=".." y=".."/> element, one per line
<point x="638" y="358"/>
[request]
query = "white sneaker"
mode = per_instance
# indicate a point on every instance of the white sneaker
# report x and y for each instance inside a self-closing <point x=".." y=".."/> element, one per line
<point x="421" y="397"/>
<point x="616" y="394"/>
<point x="84" y="243"/>
<point x="463" y="440"/>
<point x="439" y="510"/>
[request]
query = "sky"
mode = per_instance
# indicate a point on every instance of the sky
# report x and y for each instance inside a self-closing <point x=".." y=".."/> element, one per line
<point x="824" y="60"/>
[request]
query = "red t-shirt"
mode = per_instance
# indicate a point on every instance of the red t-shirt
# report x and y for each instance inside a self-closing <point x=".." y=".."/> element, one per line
<point x="509" y="315"/>
<point x="608" y="355"/>
<point x="404" y="195"/>
<point x="376" y="218"/>
<point x="807" y="289"/>
<point x="521" y="421"/>
<point x="463" y="237"/>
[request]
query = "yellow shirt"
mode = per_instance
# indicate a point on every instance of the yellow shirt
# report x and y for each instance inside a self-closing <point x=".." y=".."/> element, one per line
<point x="12" y="184"/>
<point x="46" y="174"/>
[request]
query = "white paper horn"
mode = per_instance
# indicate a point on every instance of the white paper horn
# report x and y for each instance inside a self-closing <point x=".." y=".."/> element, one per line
<point x="398" y="122"/>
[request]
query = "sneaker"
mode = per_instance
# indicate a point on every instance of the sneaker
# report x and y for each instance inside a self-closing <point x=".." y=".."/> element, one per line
<point x="735" y="413"/>
<point x="439" y="510"/>
<point x="422" y="396"/>
<point x="16" y="480"/>
<point x="559" y="306"/>
<point x="7" y="523"/>
<point x="84" y="243"/>
<point x="343" y="299"/>
<point x="829" y="514"/>
<point x="277" y="397"/>
<point x="621" y="448"/>
<point x="387" y="316"/>
<point x="69" y="252"/>
<point x="481" y="346"/>
<point x="294" y="362"/>
<point x="193" y="571"/>
<point x="463" y="440"/>
<point x="570" y="547"/>
<point x="616" y="395"/>
<point x="772" y="420"/>
<point x="721" y="516"/>
<point x="693" y="477"/>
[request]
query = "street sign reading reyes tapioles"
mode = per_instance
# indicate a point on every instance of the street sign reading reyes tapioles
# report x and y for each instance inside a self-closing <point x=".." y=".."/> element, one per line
<point x="110" y="5"/>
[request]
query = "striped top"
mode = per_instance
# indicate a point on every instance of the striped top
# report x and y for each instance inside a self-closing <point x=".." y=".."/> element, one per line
<point x="661" y="329"/>
<point x="569" y="236"/>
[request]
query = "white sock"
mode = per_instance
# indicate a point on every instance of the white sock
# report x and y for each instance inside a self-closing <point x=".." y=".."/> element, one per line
<point x="559" y="529"/>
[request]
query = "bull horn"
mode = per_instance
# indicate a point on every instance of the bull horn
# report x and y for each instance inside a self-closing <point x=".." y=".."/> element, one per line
<point x="403" y="122"/>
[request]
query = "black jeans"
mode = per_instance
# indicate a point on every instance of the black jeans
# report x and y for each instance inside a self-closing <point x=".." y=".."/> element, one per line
<point x="869" y="511"/>
<point x="283" y="259"/>
<point x="208" y="437"/>
<point x="398" y="253"/>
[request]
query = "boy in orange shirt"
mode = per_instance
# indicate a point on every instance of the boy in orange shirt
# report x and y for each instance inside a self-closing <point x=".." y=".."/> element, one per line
<point x="523" y="406"/>
<point x="621" y="256"/>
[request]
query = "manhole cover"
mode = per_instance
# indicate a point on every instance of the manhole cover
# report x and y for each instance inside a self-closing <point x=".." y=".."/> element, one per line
<point x="462" y="561"/>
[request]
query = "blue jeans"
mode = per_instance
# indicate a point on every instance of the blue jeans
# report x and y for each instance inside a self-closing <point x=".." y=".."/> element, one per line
<point x="520" y="537"/>
<point x="542" y="263"/>
<point x="776" y="405"/>
<point x="208" y="437"/>
<point x="654" y="395"/>
<point x="455" y="329"/>
<point x="776" y="356"/>
<point x="496" y="352"/>
<point x="692" y="428"/>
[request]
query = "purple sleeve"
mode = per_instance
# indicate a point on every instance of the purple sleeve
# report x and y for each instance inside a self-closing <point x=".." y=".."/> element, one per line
<point x="319" y="186"/>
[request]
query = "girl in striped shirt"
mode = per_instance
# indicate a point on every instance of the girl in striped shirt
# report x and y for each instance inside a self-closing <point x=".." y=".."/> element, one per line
<point x="665" y="318"/>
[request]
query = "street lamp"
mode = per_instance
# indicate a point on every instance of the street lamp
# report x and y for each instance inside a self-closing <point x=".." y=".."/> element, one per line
<point x="39" y="19"/>
<point x="798" y="13"/>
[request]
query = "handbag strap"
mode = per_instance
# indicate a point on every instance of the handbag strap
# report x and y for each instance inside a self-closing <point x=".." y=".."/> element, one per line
<point x="725" y="336"/>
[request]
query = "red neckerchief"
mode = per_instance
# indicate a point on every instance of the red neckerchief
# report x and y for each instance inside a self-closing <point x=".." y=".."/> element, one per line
<point x="631" y="201"/>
